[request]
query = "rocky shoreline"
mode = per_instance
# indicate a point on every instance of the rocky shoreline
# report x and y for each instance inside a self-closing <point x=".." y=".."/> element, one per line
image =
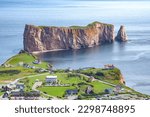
<point x="50" y="38"/>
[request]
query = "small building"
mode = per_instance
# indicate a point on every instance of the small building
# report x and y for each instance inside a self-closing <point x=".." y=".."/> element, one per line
<point x="37" y="62"/>
<point x="91" y="78"/>
<point x="109" y="66"/>
<point x="20" y="86"/>
<point x="117" y="89"/>
<point x="51" y="79"/>
<point x="5" y="95"/>
<point x="41" y="70"/>
<point x="89" y="90"/>
<point x="32" y="94"/>
<point x="17" y="94"/>
<point x="20" y="63"/>
<point x="6" y="88"/>
<point x="71" y="92"/>
<point x="109" y="91"/>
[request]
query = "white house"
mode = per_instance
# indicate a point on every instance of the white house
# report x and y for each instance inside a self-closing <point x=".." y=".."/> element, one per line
<point x="109" y="67"/>
<point x="51" y="79"/>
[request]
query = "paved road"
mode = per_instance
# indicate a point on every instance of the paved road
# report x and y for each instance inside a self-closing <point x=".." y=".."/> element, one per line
<point x="31" y="76"/>
<point x="38" y="84"/>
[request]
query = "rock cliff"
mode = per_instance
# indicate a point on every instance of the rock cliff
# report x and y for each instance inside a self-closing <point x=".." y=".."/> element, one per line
<point x="43" y="38"/>
<point x="122" y="35"/>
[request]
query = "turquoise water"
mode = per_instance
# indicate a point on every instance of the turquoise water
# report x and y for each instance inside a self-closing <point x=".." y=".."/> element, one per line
<point x="132" y="57"/>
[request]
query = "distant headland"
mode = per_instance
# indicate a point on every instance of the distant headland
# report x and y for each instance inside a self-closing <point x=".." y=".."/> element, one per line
<point x="50" y="38"/>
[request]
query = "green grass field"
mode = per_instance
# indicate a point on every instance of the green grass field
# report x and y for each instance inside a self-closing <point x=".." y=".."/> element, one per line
<point x="99" y="87"/>
<point x="63" y="78"/>
<point x="55" y="91"/>
<point x="112" y="76"/>
<point x="10" y="74"/>
<point x="70" y="78"/>
<point x="1" y="93"/>
<point x="25" y="58"/>
<point x="16" y="71"/>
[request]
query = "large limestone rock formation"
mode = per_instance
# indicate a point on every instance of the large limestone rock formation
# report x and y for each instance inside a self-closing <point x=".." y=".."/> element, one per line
<point x="122" y="35"/>
<point x="38" y="38"/>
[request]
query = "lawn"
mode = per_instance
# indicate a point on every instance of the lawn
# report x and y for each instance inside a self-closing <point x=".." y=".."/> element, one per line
<point x="70" y="78"/>
<point x="106" y="75"/>
<point x="13" y="73"/>
<point x="25" y="58"/>
<point x="55" y="91"/>
<point x="16" y="71"/>
<point x="99" y="87"/>
<point x="1" y="93"/>
<point x="29" y="82"/>
<point x="63" y="78"/>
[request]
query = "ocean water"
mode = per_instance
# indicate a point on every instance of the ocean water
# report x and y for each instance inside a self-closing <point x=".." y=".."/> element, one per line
<point x="133" y="57"/>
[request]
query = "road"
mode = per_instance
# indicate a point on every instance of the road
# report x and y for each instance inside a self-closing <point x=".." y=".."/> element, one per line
<point x="98" y="80"/>
<point x="16" y="81"/>
<point x="31" y="76"/>
<point x="38" y="84"/>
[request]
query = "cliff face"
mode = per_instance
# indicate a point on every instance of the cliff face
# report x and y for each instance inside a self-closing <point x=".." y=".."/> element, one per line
<point x="122" y="35"/>
<point x="53" y="38"/>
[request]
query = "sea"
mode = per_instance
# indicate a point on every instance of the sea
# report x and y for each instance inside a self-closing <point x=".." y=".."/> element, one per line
<point x="132" y="57"/>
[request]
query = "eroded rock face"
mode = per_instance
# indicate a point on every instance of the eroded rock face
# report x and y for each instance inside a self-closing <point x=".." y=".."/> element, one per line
<point x="122" y="35"/>
<point x="38" y="38"/>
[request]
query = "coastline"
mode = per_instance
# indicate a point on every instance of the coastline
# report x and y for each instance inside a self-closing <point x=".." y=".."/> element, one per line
<point x="86" y="73"/>
<point x="44" y="51"/>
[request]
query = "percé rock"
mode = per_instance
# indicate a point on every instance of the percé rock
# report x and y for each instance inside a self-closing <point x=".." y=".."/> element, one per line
<point x="122" y="35"/>
<point x="44" y="38"/>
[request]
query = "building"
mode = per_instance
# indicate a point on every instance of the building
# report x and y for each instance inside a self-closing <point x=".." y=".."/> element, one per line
<point x="51" y="79"/>
<point x="91" y="78"/>
<point x="109" y="66"/>
<point x="17" y="93"/>
<point x="21" y="95"/>
<point x="109" y="91"/>
<point x="37" y="62"/>
<point x="6" y="88"/>
<point x="89" y="90"/>
<point x="117" y="89"/>
<point x="20" y="86"/>
<point x="71" y="92"/>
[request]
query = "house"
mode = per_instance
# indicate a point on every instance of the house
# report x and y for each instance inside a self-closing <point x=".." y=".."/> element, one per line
<point x="41" y="70"/>
<point x="109" y="67"/>
<point x="20" y="86"/>
<point x="117" y="89"/>
<point x="32" y="94"/>
<point x="91" y="78"/>
<point x="51" y="79"/>
<point x="17" y="94"/>
<point x="71" y="92"/>
<point x="89" y="90"/>
<point x="37" y="62"/>
<point x="5" y="95"/>
<point x="108" y="91"/>
<point x="6" y="88"/>
<point x="20" y="63"/>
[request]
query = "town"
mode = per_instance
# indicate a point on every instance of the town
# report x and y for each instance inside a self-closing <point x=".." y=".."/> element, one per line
<point x="24" y="77"/>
